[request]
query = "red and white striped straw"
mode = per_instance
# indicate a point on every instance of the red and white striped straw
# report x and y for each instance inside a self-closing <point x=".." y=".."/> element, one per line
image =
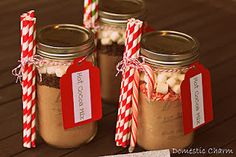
<point x="90" y="13"/>
<point x="28" y="32"/>
<point x="118" y="136"/>
<point x="133" y="37"/>
<point x="33" y="123"/>
<point x="24" y="52"/>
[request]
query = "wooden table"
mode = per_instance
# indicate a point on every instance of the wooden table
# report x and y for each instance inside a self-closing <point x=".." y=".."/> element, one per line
<point x="212" y="22"/>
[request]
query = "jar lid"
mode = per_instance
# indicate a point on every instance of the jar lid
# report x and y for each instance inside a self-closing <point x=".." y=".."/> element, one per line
<point x="119" y="11"/>
<point x="169" y="48"/>
<point x="64" y="41"/>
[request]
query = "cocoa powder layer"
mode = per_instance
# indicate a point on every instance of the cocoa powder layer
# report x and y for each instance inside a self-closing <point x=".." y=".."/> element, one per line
<point x="112" y="50"/>
<point x="160" y="125"/>
<point x="50" y="80"/>
<point x="110" y="83"/>
<point x="50" y="121"/>
<point x="108" y="57"/>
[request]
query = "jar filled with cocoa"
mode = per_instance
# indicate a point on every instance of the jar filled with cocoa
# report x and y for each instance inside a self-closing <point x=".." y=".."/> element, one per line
<point x="57" y="47"/>
<point x="170" y="54"/>
<point x="113" y="16"/>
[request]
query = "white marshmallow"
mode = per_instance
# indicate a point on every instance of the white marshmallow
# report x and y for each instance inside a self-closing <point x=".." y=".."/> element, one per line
<point x="60" y="71"/>
<point x="161" y="77"/>
<point x="174" y="75"/>
<point x="105" y="34"/>
<point x="106" y="41"/>
<point x="42" y="70"/>
<point x="176" y="88"/>
<point x="162" y="88"/>
<point x="51" y="70"/>
<point x="171" y="82"/>
<point x="167" y="74"/>
<point x="99" y="35"/>
<point x="181" y="77"/>
<point x="121" y="41"/>
<point x="115" y="36"/>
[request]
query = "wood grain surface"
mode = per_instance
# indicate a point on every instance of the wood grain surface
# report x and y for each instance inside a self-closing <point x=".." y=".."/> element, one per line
<point x="212" y="22"/>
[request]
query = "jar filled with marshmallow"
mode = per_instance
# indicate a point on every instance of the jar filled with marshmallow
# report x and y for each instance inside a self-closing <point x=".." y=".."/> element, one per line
<point x="169" y="54"/>
<point x="57" y="47"/>
<point x="111" y="40"/>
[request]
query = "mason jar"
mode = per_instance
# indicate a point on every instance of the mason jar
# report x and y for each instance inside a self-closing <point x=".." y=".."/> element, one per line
<point x="57" y="46"/>
<point x="113" y="16"/>
<point x="170" y="54"/>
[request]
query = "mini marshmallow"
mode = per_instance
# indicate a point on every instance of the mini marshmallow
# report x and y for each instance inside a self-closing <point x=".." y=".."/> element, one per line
<point x="167" y="74"/>
<point x="121" y="41"/>
<point x="60" y="71"/>
<point x="123" y="34"/>
<point x="115" y="36"/>
<point x="106" y="41"/>
<point x="100" y="35"/>
<point x="174" y="75"/>
<point x="162" y="88"/>
<point x="42" y="70"/>
<point x="181" y="77"/>
<point x="161" y="77"/>
<point x="105" y="34"/>
<point x="51" y="70"/>
<point x="171" y="82"/>
<point x="176" y="88"/>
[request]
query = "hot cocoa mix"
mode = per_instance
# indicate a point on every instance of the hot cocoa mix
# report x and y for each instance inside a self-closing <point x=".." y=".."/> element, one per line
<point x="109" y="56"/>
<point x="57" y="53"/>
<point x="50" y="117"/>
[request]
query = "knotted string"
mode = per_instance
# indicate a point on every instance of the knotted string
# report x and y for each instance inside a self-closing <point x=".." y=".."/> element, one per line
<point x="36" y="60"/>
<point x="130" y="63"/>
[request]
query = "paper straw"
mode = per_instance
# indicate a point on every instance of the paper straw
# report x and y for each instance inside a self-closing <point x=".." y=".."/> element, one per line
<point x="133" y="33"/>
<point x="28" y="47"/>
<point x="26" y="123"/>
<point x="90" y="13"/>
<point x="32" y="80"/>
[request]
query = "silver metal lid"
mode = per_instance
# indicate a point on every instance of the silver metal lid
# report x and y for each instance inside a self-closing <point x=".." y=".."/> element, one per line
<point x="64" y="41"/>
<point x="169" y="48"/>
<point x="119" y="11"/>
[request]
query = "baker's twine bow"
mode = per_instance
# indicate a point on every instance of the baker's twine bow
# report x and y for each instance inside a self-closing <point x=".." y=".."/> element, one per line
<point x="38" y="61"/>
<point x="35" y="60"/>
<point x="130" y="63"/>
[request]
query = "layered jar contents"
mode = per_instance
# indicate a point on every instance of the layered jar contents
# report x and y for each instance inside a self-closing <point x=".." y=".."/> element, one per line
<point x="56" y="50"/>
<point x="160" y="125"/>
<point x="160" y="118"/>
<point x="111" y="40"/>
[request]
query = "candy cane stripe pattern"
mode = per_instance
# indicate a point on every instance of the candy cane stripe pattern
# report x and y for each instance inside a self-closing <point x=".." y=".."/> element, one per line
<point x="134" y="111"/>
<point x="90" y="13"/>
<point x="149" y="79"/>
<point x="124" y="118"/>
<point x="28" y="48"/>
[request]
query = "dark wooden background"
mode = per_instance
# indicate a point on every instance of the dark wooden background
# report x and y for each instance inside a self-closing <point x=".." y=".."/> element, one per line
<point x="212" y="22"/>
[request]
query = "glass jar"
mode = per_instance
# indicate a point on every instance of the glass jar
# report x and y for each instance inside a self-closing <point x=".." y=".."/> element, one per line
<point x="170" y="55"/>
<point x="111" y="40"/>
<point x="58" y="45"/>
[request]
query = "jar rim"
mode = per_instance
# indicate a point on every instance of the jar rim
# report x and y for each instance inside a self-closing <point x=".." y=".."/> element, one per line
<point x="169" y="48"/>
<point x="64" y="41"/>
<point x="116" y="12"/>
